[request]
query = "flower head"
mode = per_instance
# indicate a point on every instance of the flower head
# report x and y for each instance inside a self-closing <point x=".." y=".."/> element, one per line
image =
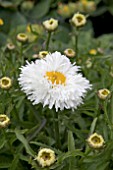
<point x="42" y="54"/>
<point x="69" y="52"/>
<point x="54" y="81"/>
<point x="88" y="63"/>
<point x="93" y="51"/>
<point x="95" y="141"/>
<point x="103" y="93"/>
<point x="45" y="157"/>
<point x="10" y="46"/>
<point x="22" y="37"/>
<point x="51" y="24"/>
<point x="78" y="20"/>
<point x="5" y="83"/>
<point x="4" y="121"/>
<point x="1" y="22"/>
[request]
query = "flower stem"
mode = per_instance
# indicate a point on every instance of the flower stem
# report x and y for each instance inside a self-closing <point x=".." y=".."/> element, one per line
<point x="21" y="54"/>
<point x="76" y="42"/>
<point x="56" y="130"/>
<point x="48" y="40"/>
<point x="112" y="112"/>
<point x="108" y="122"/>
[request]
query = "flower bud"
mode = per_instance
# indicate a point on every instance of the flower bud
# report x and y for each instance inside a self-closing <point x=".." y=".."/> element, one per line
<point x="103" y="93"/>
<point x="4" y="121"/>
<point x="95" y="141"/>
<point x="22" y="37"/>
<point x="78" y="20"/>
<point x="50" y="25"/>
<point x="42" y="54"/>
<point x="5" y="83"/>
<point x="69" y="52"/>
<point x="45" y="157"/>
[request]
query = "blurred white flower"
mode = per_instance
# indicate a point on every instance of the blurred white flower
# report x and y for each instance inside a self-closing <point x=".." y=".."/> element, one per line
<point x="54" y="81"/>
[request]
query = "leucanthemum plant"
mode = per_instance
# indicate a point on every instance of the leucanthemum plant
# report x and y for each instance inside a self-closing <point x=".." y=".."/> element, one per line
<point x="59" y="92"/>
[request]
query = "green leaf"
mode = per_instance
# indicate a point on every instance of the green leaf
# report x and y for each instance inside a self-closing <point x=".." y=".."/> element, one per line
<point x="71" y="147"/>
<point x="93" y="125"/>
<point x="3" y="39"/>
<point x="21" y="138"/>
<point x="2" y="141"/>
<point x="69" y="154"/>
<point x="14" y="163"/>
<point x="5" y="161"/>
<point x="40" y="9"/>
<point x="71" y="142"/>
<point x="17" y="19"/>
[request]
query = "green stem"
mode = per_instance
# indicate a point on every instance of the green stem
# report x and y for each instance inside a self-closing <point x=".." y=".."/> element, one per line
<point x="48" y="40"/>
<point x="21" y="54"/>
<point x="76" y="42"/>
<point x="112" y="108"/>
<point x="108" y="122"/>
<point x="111" y="114"/>
<point x="56" y="130"/>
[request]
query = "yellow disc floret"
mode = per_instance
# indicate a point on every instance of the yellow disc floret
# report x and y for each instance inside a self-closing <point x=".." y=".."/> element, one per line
<point x="56" y="77"/>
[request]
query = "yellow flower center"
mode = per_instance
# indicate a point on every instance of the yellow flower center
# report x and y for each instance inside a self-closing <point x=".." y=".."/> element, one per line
<point x="44" y="53"/>
<point x="46" y="156"/>
<point x="5" y="82"/>
<point x="79" y="18"/>
<point x="2" y="119"/>
<point x="70" y="51"/>
<point x="105" y="92"/>
<point x="96" y="140"/>
<point x="1" y="22"/>
<point x="93" y="52"/>
<point x="66" y="8"/>
<point x="51" y="22"/>
<point x="56" y="77"/>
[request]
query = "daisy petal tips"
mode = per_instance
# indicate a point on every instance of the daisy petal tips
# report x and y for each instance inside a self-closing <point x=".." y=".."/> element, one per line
<point x="54" y="81"/>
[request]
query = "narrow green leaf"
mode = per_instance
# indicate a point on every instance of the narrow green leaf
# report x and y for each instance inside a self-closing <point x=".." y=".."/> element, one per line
<point x="71" y="147"/>
<point x="71" y="142"/>
<point x="93" y="125"/>
<point x="2" y="141"/>
<point x="14" y="162"/>
<point x="25" y="142"/>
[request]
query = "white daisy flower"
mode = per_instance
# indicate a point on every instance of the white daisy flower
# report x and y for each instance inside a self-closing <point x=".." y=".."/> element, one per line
<point x="54" y="81"/>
